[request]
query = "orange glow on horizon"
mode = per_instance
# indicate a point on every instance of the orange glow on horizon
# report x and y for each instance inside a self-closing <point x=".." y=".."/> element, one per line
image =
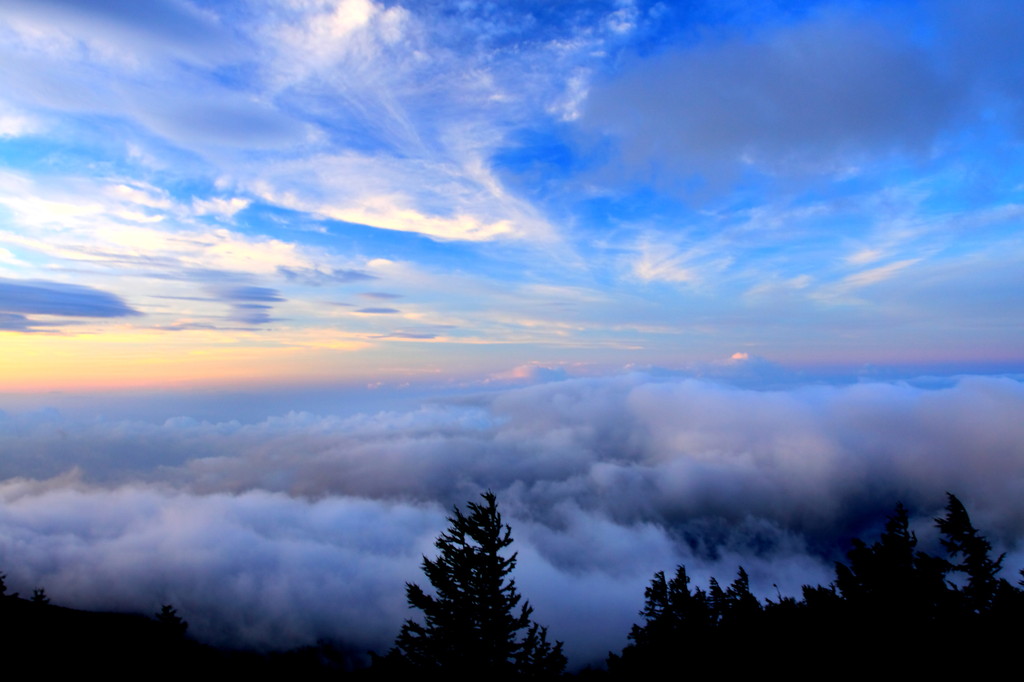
<point x="42" y="362"/>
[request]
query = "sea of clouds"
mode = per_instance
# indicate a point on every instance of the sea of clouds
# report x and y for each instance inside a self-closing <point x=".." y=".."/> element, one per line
<point x="282" y="531"/>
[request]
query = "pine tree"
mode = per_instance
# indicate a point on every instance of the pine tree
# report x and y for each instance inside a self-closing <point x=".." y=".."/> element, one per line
<point x="674" y="618"/>
<point x="963" y="541"/>
<point x="741" y="607"/>
<point x="891" y="577"/>
<point x="471" y="624"/>
<point x="170" y="622"/>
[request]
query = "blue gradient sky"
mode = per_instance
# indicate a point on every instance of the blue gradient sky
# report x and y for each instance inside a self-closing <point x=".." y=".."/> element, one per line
<point x="291" y="192"/>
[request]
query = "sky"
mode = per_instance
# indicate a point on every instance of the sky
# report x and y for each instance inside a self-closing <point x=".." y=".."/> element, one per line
<point x="197" y="194"/>
<point x="705" y="282"/>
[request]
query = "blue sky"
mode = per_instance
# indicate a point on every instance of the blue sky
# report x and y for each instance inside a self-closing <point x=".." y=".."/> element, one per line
<point x="298" y="191"/>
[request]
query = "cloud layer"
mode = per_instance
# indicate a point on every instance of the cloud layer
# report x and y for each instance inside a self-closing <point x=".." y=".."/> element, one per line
<point x="300" y="526"/>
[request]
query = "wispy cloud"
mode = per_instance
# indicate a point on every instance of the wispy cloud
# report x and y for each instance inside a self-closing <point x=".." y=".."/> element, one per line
<point x="378" y="311"/>
<point x="250" y="304"/>
<point x="225" y="208"/>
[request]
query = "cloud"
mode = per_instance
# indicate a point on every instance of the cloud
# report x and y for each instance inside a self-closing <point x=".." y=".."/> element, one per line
<point x="298" y="524"/>
<point x="15" y="124"/>
<point x="12" y="322"/>
<point x="37" y="297"/>
<point x="249" y="304"/>
<point x="364" y="139"/>
<point x="82" y="220"/>
<point x="248" y="293"/>
<point x="220" y="119"/>
<point x="187" y="326"/>
<point x="378" y="311"/>
<point x="820" y="94"/>
<point x="412" y="336"/>
<point x="879" y="274"/>
<point x="455" y="207"/>
<point x="224" y="208"/>
<point x="163" y="27"/>
<point x="663" y="262"/>
<point x="419" y="107"/>
<point x="153" y="70"/>
<point x="315" y="277"/>
<point x="315" y="42"/>
<point x="141" y="194"/>
<point x="292" y="570"/>
<point x="530" y="374"/>
<point x="378" y="212"/>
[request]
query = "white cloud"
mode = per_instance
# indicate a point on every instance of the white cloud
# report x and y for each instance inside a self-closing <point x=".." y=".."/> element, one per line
<point x="218" y="206"/>
<point x="141" y="194"/>
<point x="14" y="124"/>
<point x="95" y="221"/>
<point x="662" y="263"/>
<point x="865" y="256"/>
<point x="657" y="258"/>
<point x="879" y="274"/>
<point x="776" y="286"/>
<point x="623" y="20"/>
<point x="322" y="34"/>
<point x="382" y="212"/>
<point x="443" y="201"/>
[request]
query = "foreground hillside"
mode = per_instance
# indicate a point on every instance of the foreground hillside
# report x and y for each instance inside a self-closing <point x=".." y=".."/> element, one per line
<point x="60" y="640"/>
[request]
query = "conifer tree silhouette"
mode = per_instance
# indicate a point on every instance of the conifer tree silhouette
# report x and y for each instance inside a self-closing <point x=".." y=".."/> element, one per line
<point x="39" y="597"/>
<point x="170" y="622"/>
<point x="891" y="577"/>
<point x="471" y="624"/>
<point x="674" y="617"/>
<point x="963" y="541"/>
<point x="888" y="593"/>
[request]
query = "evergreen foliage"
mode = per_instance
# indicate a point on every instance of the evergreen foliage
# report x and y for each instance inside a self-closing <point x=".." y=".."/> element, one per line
<point x="170" y="622"/>
<point x="890" y="578"/>
<point x="884" y="595"/>
<point x="474" y="623"/>
<point x="964" y="543"/>
<point x="3" y="588"/>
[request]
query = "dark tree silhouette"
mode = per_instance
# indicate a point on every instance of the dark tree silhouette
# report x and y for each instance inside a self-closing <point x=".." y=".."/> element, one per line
<point x="673" y="617"/>
<point x="890" y="580"/>
<point x="39" y="597"/>
<point x="471" y="624"/>
<point x="170" y="622"/>
<point x="3" y="588"/>
<point x="963" y="542"/>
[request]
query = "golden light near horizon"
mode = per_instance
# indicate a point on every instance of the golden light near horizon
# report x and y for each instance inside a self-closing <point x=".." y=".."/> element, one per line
<point x="139" y="359"/>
